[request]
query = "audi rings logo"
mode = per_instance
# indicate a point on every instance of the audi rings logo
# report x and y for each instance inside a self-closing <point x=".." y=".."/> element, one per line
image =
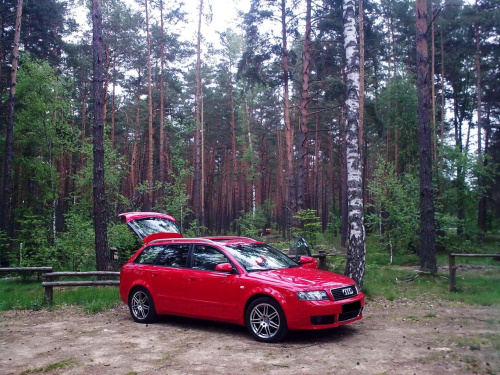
<point x="347" y="291"/>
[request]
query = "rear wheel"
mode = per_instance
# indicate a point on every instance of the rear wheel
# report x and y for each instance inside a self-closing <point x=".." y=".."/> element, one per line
<point x="266" y="320"/>
<point x="141" y="305"/>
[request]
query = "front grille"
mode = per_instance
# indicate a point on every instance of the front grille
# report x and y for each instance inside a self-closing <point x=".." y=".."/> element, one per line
<point x="349" y="315"/>
<point x="344" y="292"/>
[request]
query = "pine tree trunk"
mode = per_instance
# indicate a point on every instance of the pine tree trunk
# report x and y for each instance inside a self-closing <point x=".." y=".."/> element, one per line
<point x="7" y="172"/>
<point x="427" y="225"/>
<point x="197" y="181"/>
<point x="302" y="148"/>
<point x="148" y="202"/>
<point x="162" y="94"/>
<point x="100" y="226"/>
<point x="292" y="202"/>
<point x="235" y="210"/>
<point x="355" y="264"/>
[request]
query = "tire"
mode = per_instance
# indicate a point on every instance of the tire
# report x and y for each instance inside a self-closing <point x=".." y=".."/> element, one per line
<point x="141" y="305"/>
<point x="265" y="320"/>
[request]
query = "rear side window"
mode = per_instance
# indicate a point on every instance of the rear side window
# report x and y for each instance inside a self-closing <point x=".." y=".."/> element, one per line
<point x="149" y="255"/>
<point x="174" y="256"/>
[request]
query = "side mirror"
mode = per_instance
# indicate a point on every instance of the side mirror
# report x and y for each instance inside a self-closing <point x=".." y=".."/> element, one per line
<point x="224" y="267"/>
<point x="308" y="262"/>
<point x="301" y="248"/>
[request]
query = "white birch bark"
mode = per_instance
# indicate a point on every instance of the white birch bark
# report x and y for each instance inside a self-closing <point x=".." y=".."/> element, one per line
<point x="355" y="266"/>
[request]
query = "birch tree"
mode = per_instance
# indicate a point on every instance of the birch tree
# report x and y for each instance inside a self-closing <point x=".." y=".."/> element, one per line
<point x="355" y="266"/>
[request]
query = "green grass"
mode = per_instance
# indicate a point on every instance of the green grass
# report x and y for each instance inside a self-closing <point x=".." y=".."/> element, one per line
<point x="402" y="279"/>
<point x="19" y="294"/>
<point x="66" y="363"/>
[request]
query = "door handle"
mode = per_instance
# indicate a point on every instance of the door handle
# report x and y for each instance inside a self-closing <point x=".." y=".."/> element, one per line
<point x="191" y="278"/>
<point x="155" y="274"/>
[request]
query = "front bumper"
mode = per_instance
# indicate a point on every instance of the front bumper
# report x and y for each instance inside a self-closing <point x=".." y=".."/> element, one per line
<point x="312" y="315"/>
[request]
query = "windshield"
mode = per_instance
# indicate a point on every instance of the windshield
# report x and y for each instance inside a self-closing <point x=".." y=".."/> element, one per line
<point x="260" y="257"/>
<point x="151" y="225"/>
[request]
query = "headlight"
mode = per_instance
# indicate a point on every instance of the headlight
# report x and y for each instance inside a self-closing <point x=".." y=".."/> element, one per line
<point x="316" y="295"/>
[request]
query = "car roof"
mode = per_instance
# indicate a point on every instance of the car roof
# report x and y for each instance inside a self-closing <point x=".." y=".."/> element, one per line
<point x="233" y="240"/>
<point x="222" y="240"/>
<point x="131" y="216"/>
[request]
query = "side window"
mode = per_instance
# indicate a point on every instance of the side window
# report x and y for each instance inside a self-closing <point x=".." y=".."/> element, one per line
<point x="174" y="256"/>
<point x="148" y="255"/>
<point x="206" y="258"/>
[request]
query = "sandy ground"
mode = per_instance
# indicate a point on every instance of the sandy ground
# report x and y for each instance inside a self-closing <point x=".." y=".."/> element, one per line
<point x="395" y="337"/>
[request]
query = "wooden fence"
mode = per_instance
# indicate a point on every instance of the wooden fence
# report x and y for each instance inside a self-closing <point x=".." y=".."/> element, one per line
<point x="49" y="284"/>
<point x="453" y="267"/>
<point x="26" y="270"/>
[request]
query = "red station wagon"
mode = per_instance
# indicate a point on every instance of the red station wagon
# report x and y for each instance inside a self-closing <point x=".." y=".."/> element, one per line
<point x="232" y="279"/>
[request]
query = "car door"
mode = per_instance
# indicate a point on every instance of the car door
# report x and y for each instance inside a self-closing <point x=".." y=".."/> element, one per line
<point x="168" y="279"/>
<point x="211" y="294"/>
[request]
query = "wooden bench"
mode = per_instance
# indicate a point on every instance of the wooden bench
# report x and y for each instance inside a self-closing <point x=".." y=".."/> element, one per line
<point x="28" y="270"/>
<point x="453" y="268"/>
<point x="49" y="284"/>
<point x="322" y="258"/>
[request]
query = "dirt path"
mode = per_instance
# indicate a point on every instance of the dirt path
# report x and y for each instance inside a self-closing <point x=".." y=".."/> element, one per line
<point x="395" y="337"/>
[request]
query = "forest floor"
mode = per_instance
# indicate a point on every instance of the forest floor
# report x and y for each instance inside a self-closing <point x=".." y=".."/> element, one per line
<point x="394" y="337"/>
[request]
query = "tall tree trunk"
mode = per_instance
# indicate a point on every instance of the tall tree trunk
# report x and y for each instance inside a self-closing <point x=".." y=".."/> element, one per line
<point x="9" y="150"/>
<point x="113" y="110"/>
<point x="148" y="202"/>
<point x="481" y="217"/>
<point x="302" y="148"/>
<point x="433" y="89"/>
<point x="235" y="180"/>
<point x="355" y="264"/>
<point x="482" y="206"/>
<point x="362" y="94"/>
<point x="162" y="93"/>
<point x="197" y="181"/>
<point x="427" y="225"/>
<point x="478" y="85"/>
<point x="292" y="201"/>
<point x="443" y="110"/>
<point x="100" y="225"/>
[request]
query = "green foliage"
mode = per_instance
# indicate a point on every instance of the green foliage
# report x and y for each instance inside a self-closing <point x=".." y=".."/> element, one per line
<point x="32" y="247"/>
<point x="465" y="178"/>
<point x="75" y="248"/>
<point x="4" y="245"/>
<point x="251" y="225"/>
<point x="114" y="167"/>
<point x="396" y="208"/>
<point x="195" y="229"/>
<point x="398" y="110"/>
<point x="121" y="237"/>
<point x="174" y="200"/>
<point x="310" y="226"/>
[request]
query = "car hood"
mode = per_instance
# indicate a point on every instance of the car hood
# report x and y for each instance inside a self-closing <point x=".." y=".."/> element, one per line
<point x="302" y="278"/>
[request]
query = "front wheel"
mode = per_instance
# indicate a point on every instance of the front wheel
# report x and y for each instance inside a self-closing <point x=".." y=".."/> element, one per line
<point x="141" y="305"/>
<point x="266" y="320"/>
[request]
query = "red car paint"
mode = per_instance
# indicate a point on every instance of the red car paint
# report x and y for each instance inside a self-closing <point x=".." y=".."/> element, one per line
<point x="225" y="296"/>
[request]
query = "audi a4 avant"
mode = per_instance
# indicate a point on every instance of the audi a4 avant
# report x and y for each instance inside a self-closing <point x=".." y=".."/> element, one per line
<point x="231" y="279"/>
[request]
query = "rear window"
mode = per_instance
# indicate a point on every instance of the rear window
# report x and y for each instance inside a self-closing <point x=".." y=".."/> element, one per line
<point x="152" y="225"/>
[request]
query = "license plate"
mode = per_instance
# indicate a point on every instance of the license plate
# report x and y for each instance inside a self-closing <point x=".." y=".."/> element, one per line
<point x="348" y="307"/>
